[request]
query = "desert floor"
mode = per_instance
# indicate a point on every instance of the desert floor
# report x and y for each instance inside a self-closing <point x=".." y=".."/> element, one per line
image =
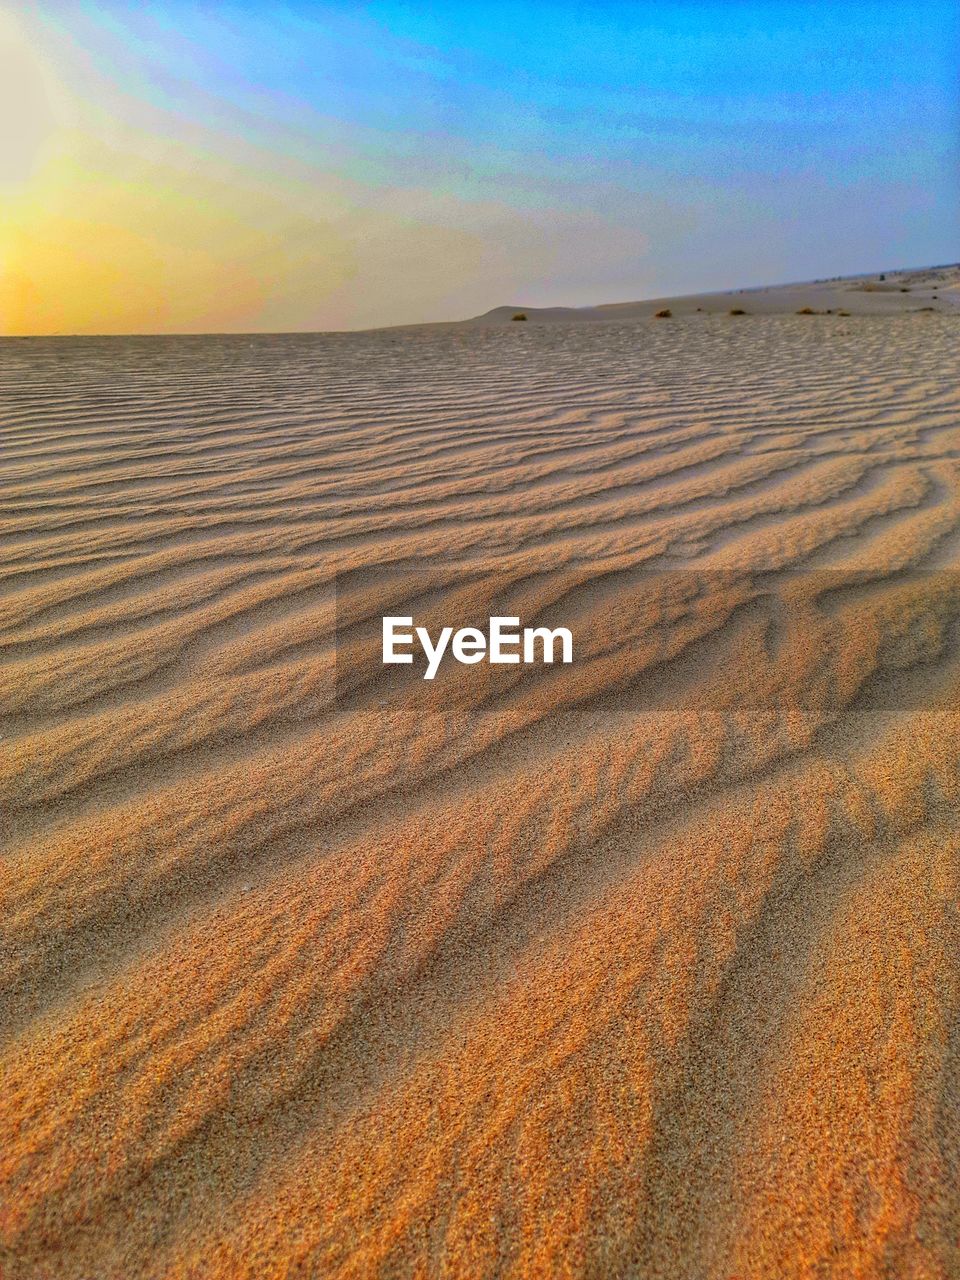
<point x="646" y="966"/>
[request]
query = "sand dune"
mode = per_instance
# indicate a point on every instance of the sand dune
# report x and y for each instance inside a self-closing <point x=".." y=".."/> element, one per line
<point x="644" y="966"/>
<point x="884" y="293"/>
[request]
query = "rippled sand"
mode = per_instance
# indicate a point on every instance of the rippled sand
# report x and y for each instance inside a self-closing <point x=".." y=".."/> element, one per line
<point x="646" y="966"/>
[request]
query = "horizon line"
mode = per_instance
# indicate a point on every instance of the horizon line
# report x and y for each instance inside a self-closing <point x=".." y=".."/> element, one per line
<point x="425" y="324"/>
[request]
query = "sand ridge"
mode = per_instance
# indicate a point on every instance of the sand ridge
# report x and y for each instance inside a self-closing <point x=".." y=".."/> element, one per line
<point x="885" y="293"/>
<point x="642" y="967"/>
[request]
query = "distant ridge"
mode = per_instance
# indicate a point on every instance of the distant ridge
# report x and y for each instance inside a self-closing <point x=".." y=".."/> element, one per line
<point x="880" y="293"/>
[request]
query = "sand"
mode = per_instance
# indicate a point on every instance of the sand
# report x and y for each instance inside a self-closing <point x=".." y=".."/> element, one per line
<point x="935" y="289"/>
<point x="646" y="966"/>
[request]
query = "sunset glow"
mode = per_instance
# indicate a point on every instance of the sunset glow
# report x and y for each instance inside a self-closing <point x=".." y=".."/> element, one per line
<point x="289" y="166"/>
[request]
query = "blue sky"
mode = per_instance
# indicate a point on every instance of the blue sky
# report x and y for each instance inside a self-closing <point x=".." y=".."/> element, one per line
<point x="350" y="165"/>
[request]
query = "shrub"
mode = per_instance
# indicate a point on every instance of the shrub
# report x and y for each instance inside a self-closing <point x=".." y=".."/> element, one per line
<point x="737" y="311"/>
<point x="665" y="314"/>
<point x="806" y="311"/>
<point x="521" y="315"/>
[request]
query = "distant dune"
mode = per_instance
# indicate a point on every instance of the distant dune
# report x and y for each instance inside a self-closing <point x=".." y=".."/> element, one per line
<point x="885" y="293"/>
<point x="646" y="966"/>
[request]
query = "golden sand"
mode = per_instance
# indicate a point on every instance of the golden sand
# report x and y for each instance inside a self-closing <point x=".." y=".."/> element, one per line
<point x="646" y="966"/>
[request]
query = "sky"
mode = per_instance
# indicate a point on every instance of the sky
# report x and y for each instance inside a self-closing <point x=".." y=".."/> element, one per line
<point x="255" y="167"/>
